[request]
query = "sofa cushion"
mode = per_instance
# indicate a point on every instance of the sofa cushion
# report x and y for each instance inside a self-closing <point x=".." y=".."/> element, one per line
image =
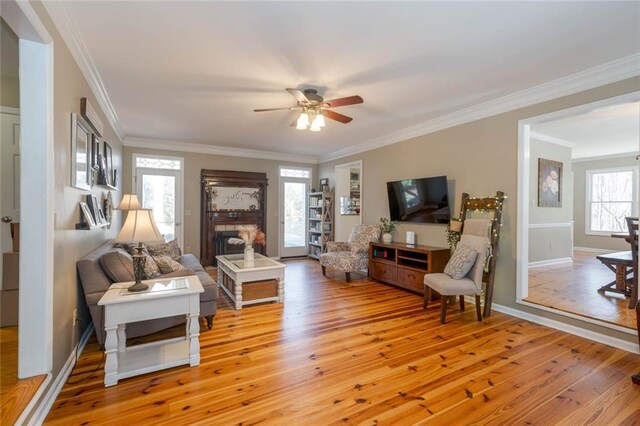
<point x="167" y="264"/>
<point x="118" y="265"/>
<point x="151" y="268"/>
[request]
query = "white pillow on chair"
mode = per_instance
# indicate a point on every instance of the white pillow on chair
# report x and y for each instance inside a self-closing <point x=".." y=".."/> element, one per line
<point x="461" y="262"/>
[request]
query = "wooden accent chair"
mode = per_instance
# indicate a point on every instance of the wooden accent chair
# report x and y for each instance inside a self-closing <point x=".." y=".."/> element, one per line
<point x="632" y="225"/>
<point x="353" y="255"/>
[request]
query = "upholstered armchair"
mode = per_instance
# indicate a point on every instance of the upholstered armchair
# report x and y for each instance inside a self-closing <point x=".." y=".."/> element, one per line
<point x="353" y="255"/>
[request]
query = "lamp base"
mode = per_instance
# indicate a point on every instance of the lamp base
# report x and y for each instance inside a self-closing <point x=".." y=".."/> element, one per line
<point x="139" y="261"/>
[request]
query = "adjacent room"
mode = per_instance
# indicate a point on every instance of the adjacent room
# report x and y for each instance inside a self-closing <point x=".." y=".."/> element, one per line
<point x="271" y="212"/>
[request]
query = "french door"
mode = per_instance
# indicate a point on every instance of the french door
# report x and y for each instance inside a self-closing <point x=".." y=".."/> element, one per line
<point x="161" y="191"/>
<point x="294" y="187"/>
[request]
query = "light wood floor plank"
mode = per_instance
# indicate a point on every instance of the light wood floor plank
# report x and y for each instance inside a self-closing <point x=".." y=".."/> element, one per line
<point x="358" y="353"/>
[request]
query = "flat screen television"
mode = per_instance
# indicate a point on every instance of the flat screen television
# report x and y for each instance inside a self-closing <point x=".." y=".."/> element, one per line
<point x="424" y="200"/>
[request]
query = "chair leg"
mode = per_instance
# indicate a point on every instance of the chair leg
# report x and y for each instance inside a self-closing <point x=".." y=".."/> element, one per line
<point x="427" y="297"/>
<point x="347" y="276"/>
<point x="443" y="310"/>
<point x="324" y="271"/>
<point x="461" y="302"/>
<point x="478" y="308"/>
<point x="209" y="321"/>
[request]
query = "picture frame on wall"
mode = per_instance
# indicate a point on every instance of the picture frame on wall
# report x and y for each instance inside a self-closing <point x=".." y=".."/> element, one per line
<point x="549" y="183"/>
<point x="80" y="153"/>
<point x="94" y="207"/>
<point x="86" y="213"/>
<point x="108" y="161"/>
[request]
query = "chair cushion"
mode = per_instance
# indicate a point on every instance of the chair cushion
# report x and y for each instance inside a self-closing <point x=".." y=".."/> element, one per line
<point x="461" y="262"/>
<point x="447" y="286"/>
<point x="118" y="265"/>
<point x="344" y="261"/>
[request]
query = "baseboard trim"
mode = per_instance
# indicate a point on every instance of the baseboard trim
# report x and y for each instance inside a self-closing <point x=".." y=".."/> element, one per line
<point x="571" y="329"/>
<point x="41" y="411"/>
<point x="550" y="262"/>
<point x="32" y="404"/>
<point x="594" y="250"/>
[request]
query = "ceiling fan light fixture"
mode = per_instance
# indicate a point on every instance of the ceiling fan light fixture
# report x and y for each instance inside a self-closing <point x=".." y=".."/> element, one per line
<point x="303" y="121"/>
<point x="319" y="120"/>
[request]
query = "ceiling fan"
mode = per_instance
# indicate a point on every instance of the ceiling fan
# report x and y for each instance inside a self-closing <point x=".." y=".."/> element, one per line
<point x="314" y="109"/>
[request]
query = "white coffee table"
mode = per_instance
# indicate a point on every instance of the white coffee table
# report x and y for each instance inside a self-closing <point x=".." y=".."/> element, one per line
<point x="233" y="269"/>
<point x="165" y="298"/>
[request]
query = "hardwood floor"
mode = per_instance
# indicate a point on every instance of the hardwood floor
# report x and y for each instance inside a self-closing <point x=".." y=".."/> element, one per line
<point x="573" y="287"/>
<point x="364" y="353"/>
<point x="14" y="394"/>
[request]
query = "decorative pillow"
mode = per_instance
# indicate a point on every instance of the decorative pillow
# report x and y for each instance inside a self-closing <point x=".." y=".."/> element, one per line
<point x="118" y="265"/>
<point x="461" y="262"/>
<point x="167" y="264"/>
<point x="170" y="249"/>
<point x="151" y="269"/>
<point x="130" y="248"/>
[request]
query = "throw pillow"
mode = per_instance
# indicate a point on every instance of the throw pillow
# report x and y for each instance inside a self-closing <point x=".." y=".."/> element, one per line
<point x="167" y="264"/>
<point x="461" y="262"/>
<point x="118" y="265"/>
<point x="151" y="269"/>
<point x="170" y="249"/>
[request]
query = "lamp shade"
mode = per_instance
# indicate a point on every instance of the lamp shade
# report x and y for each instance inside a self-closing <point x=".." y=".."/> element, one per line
<point x="129" y="202"/>
<point x="139" y="226"/>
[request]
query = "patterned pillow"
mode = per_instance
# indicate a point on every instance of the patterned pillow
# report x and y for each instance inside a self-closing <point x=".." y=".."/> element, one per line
<point x="167" y="264"/>
<point x="151" y="269"/>
<point x="170" y="249"/>
<point x="461" y="262"/>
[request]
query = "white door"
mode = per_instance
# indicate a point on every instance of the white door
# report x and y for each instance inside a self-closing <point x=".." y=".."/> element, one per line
<point x="293" y="211"/>
<point x="9" y="178"/>
<point x="159" y="190"/>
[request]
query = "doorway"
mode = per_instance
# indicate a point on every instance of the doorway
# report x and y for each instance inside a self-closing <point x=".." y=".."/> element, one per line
<point x="158" y="182"/>
<point x="594" y="149"/>
<point x="348" y="196"/>
<point x="294" y="184"/>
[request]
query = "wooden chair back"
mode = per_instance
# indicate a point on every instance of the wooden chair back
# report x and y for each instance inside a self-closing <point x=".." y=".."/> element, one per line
<point x="632" y="224"/>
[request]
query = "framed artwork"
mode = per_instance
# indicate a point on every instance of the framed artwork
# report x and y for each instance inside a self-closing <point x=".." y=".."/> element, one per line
<point x="234" y="198"/>
<point x="324" y="184"/>
<point x="94" y="208"/>
<point x="86" y="213"/>
<point x="95" y="151"/>
<point x="549" y="183"/>
<point x="108" y="160"/>
<point x="80" y="153"/>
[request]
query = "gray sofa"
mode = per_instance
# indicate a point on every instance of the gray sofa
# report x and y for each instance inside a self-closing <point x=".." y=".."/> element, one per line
<point x="95" y="282"/>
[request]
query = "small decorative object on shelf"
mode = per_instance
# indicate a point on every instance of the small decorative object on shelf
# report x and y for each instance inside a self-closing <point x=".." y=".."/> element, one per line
<point x="454" y="228"/>
<point x="387" y="226"/>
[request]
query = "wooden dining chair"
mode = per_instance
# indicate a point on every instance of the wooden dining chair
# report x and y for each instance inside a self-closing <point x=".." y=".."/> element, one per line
<point x="632" y="224"/>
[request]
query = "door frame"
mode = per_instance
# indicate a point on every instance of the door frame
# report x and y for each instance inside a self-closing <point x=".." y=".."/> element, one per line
<point x="35" y="318"/>
<point x="179" y="186"/>
<point x="336" y="201"/>
<point x="523" y="200"/>
<point x="281" y="180"/>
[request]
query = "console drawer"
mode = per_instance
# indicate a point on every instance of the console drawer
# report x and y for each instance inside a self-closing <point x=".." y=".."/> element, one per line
<point x="383" y="271"/>
<point x="411" y="279"/>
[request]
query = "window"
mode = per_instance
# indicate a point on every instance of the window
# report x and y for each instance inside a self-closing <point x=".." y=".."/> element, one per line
<point x="610" y="198"/>
<point x="158" y="163"/>
<point x="297" y="173"/>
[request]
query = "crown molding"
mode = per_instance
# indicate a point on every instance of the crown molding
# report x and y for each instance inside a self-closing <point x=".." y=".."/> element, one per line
<point x="66" y="25"/>
<point x="550" y="139"/>
<point x="601" y="75"/>
<point x="168" y="145"/>
<point x="631" y="155"/>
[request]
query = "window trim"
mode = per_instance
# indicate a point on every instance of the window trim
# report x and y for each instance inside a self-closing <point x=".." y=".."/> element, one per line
<point x="587" y="202"/>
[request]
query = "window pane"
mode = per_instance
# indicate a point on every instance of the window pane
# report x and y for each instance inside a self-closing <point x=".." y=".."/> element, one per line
<point x="157" y="163"/>
<point x="295" y="173"/>
<point x="612" y="186"/>
<point x="609" y="217"/>
<point x="294" y="200"/>
<point x="158" y="194"/>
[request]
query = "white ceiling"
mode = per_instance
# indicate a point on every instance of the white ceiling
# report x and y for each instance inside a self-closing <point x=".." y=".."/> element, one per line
<point x="194" y="71"/>
<point x="604" y="131"/>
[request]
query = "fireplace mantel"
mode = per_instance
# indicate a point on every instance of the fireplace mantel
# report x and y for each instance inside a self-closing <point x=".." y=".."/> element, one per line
<point x="228" y="199"/>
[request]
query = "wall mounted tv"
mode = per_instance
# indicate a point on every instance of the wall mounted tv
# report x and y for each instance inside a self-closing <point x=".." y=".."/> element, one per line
<point x="424" y="200"/>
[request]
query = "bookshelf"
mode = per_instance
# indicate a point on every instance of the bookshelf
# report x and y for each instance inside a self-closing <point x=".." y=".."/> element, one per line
<point x="320" y="225"/>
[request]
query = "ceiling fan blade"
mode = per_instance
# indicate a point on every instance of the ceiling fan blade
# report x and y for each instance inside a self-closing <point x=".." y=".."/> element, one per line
<point x="300" y="97"/>
<point x="276" y="109"/>
<point x="349" y="100"/>
<point x="335" y="116"/>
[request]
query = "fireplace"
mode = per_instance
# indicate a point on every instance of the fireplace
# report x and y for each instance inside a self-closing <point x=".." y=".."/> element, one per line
<point x="222" y="243"/>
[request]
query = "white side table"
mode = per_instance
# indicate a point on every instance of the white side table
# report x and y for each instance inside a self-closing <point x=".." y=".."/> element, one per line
<point x="165" y="298"/>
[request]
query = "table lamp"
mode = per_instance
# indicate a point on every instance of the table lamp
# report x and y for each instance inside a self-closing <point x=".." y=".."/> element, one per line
<point x="139" y="227"/>
<point x="129" y="202"/>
